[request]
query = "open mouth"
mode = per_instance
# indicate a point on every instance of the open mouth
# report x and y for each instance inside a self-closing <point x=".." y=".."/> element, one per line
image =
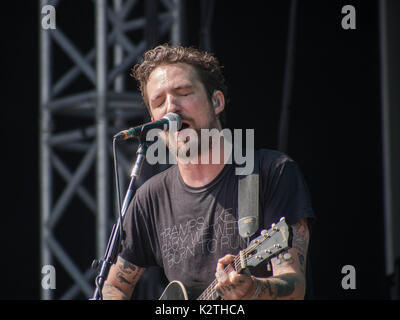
<point x="184" y="126"/>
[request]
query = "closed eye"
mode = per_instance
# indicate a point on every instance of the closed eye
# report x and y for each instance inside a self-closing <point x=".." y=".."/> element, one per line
<point x="184" y="90"/>
<point x="158" y="104"/>
<point x="184" y="93"/>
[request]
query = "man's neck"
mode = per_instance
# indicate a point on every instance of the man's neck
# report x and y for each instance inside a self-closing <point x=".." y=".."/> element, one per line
<point x="200" y="174"/>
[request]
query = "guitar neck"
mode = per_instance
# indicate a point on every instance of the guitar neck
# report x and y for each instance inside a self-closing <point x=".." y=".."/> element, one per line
<point x="210" y="293"/>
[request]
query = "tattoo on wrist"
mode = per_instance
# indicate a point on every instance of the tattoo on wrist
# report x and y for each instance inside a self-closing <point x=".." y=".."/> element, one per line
<point x="266" y="289"/>
<point x="285" y="287"/>
<point x="258" y="289"/>
<point x="281" y="286"/>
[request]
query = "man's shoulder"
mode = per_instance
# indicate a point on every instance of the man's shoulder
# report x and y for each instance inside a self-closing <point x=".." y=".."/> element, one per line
<point x="272" y="158"/>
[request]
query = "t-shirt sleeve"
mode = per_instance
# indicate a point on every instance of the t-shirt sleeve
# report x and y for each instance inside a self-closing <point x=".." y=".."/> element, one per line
<point x="285" y="192"/>
<point x="137" y="243"/>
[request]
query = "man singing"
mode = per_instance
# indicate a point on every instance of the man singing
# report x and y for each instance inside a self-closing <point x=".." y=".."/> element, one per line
<point x="184" y="219"/>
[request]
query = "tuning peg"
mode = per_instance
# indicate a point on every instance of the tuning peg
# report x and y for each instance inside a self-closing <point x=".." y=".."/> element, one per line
<point x="287" y="256"/>
<point x="282" y="219"/>
<point x="264" y="233"/>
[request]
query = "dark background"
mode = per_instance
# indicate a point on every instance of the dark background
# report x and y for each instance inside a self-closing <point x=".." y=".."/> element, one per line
<point x="334" y="133"/>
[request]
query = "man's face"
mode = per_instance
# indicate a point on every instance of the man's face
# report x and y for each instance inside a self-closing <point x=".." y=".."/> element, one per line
<point x="177" y="88"/>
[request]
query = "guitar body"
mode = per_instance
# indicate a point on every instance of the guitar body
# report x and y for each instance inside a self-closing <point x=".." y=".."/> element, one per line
<point x="174" y="291"/>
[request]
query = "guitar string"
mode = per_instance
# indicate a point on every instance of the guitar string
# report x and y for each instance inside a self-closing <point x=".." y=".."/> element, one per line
<point x="210" y="291"/>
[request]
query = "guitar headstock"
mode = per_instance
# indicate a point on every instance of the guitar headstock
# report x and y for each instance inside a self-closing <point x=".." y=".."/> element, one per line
<point x="269" y="244"/>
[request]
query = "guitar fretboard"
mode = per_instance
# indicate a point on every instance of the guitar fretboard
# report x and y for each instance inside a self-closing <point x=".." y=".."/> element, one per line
<point x="211" y="293"/>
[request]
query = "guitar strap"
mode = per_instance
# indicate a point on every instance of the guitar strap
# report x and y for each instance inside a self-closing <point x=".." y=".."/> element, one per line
<point x="249" y="201"/>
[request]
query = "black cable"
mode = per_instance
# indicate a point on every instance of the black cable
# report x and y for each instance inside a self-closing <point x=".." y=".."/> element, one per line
<point x="118" y="193"/>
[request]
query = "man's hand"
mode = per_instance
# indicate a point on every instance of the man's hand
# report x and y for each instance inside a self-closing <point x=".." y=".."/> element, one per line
<point x="288" y="275"/>
<point x="231" y="284"/>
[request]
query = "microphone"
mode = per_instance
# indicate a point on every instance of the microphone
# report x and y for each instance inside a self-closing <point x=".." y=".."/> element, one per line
<point x="164" y="123"/>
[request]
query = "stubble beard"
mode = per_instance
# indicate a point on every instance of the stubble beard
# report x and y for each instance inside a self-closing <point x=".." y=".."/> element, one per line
<point x="182" y="143"/>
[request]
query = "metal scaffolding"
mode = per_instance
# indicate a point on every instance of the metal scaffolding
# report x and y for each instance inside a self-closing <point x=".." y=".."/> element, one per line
<point x="104" y="109"/>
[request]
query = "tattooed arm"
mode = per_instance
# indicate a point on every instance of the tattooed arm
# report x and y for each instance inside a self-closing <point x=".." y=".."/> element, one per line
<point x="288" y="279"/>
<point x="121" y="280"/>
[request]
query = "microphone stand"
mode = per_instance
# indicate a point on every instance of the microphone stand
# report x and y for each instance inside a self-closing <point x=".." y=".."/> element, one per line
<point x="113" y="242"/>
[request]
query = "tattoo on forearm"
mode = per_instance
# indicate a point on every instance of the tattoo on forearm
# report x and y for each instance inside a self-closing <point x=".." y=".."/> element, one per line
<point x="300" y="238"/>
<point x="266" y="289"/>
<point x="126" y="269"/>
<point x="281" y="286"/>
<point x="302" y="263"/>
<point x="113" y="293"/>
<point x="288" y="279"/>
<point x="300" y="241"/>
<point x="285" y="285"/>
<point x="122" y="280"/>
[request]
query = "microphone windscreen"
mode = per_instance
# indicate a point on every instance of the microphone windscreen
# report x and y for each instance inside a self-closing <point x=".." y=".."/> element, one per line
<point x="173" y="117"/>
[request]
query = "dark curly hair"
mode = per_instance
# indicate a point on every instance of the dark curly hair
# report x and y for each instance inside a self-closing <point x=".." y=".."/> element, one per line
<point x="206" y="65"/>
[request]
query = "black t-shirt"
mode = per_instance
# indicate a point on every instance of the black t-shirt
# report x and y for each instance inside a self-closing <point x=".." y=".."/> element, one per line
<point x="185" y="230"/>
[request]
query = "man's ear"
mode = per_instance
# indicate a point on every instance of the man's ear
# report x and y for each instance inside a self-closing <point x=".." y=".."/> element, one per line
<point x="218" y="101"/>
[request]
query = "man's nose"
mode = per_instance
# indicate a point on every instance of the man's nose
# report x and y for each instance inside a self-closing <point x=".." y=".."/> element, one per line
<point x="172" y="104"/>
